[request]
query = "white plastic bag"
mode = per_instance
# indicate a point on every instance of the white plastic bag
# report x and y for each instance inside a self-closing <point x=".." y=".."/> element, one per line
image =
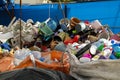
<point x="95" y="70"/>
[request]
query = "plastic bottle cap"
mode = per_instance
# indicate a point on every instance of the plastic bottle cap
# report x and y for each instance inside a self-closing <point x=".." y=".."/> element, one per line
<point x="112" y="41"/>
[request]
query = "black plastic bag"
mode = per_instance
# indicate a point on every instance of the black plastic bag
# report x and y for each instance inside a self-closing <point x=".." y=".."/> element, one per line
<point x="34" y="74"/>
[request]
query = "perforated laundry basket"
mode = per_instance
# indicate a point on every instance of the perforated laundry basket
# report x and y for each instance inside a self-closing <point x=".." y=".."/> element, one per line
<point x="64" y="66"/>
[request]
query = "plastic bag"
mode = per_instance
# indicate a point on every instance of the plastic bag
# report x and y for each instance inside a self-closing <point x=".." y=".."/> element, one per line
<point x="95" y="70"/>
<point x="34" y="74"/>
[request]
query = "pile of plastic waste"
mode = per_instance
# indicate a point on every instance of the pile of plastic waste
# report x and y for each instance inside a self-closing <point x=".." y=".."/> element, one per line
<point x="47" y="42"/>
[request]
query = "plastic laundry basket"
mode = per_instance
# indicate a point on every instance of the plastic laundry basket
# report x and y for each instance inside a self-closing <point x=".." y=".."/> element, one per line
<point x="64" y="66"/>
<point x="6" y="63"/>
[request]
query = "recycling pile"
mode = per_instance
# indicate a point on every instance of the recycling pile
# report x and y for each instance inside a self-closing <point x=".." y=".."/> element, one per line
<point x="46" y="42"/>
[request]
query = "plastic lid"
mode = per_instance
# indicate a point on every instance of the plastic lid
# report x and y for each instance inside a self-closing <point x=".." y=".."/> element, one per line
<point x="84" y="59"/>
<point x="93" y="49"/>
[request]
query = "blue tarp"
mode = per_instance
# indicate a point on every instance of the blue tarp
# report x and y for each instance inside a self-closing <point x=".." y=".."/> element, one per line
<point x="107" y="12"/>
<point x="3" y="2"/>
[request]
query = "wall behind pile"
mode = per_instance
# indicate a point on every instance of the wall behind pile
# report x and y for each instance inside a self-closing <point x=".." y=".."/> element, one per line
<point x="107" y="12"/>
<point x="29" y="1"/>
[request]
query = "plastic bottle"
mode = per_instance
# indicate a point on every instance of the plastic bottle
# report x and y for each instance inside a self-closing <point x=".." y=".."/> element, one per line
<point x="112" y="56"/>
<point x="95" y="46"/>
<point x="107" y="52"/>
<point x="100" y="48"/>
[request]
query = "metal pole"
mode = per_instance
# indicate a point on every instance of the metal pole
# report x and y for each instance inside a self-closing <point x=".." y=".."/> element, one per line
<point x="20" y="24"/>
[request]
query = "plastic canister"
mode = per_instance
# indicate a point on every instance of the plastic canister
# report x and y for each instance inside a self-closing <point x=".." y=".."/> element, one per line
<point x="95" y="46"/>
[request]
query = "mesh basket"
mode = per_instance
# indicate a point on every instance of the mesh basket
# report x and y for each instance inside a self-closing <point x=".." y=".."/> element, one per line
<point x="45" y="30"/>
